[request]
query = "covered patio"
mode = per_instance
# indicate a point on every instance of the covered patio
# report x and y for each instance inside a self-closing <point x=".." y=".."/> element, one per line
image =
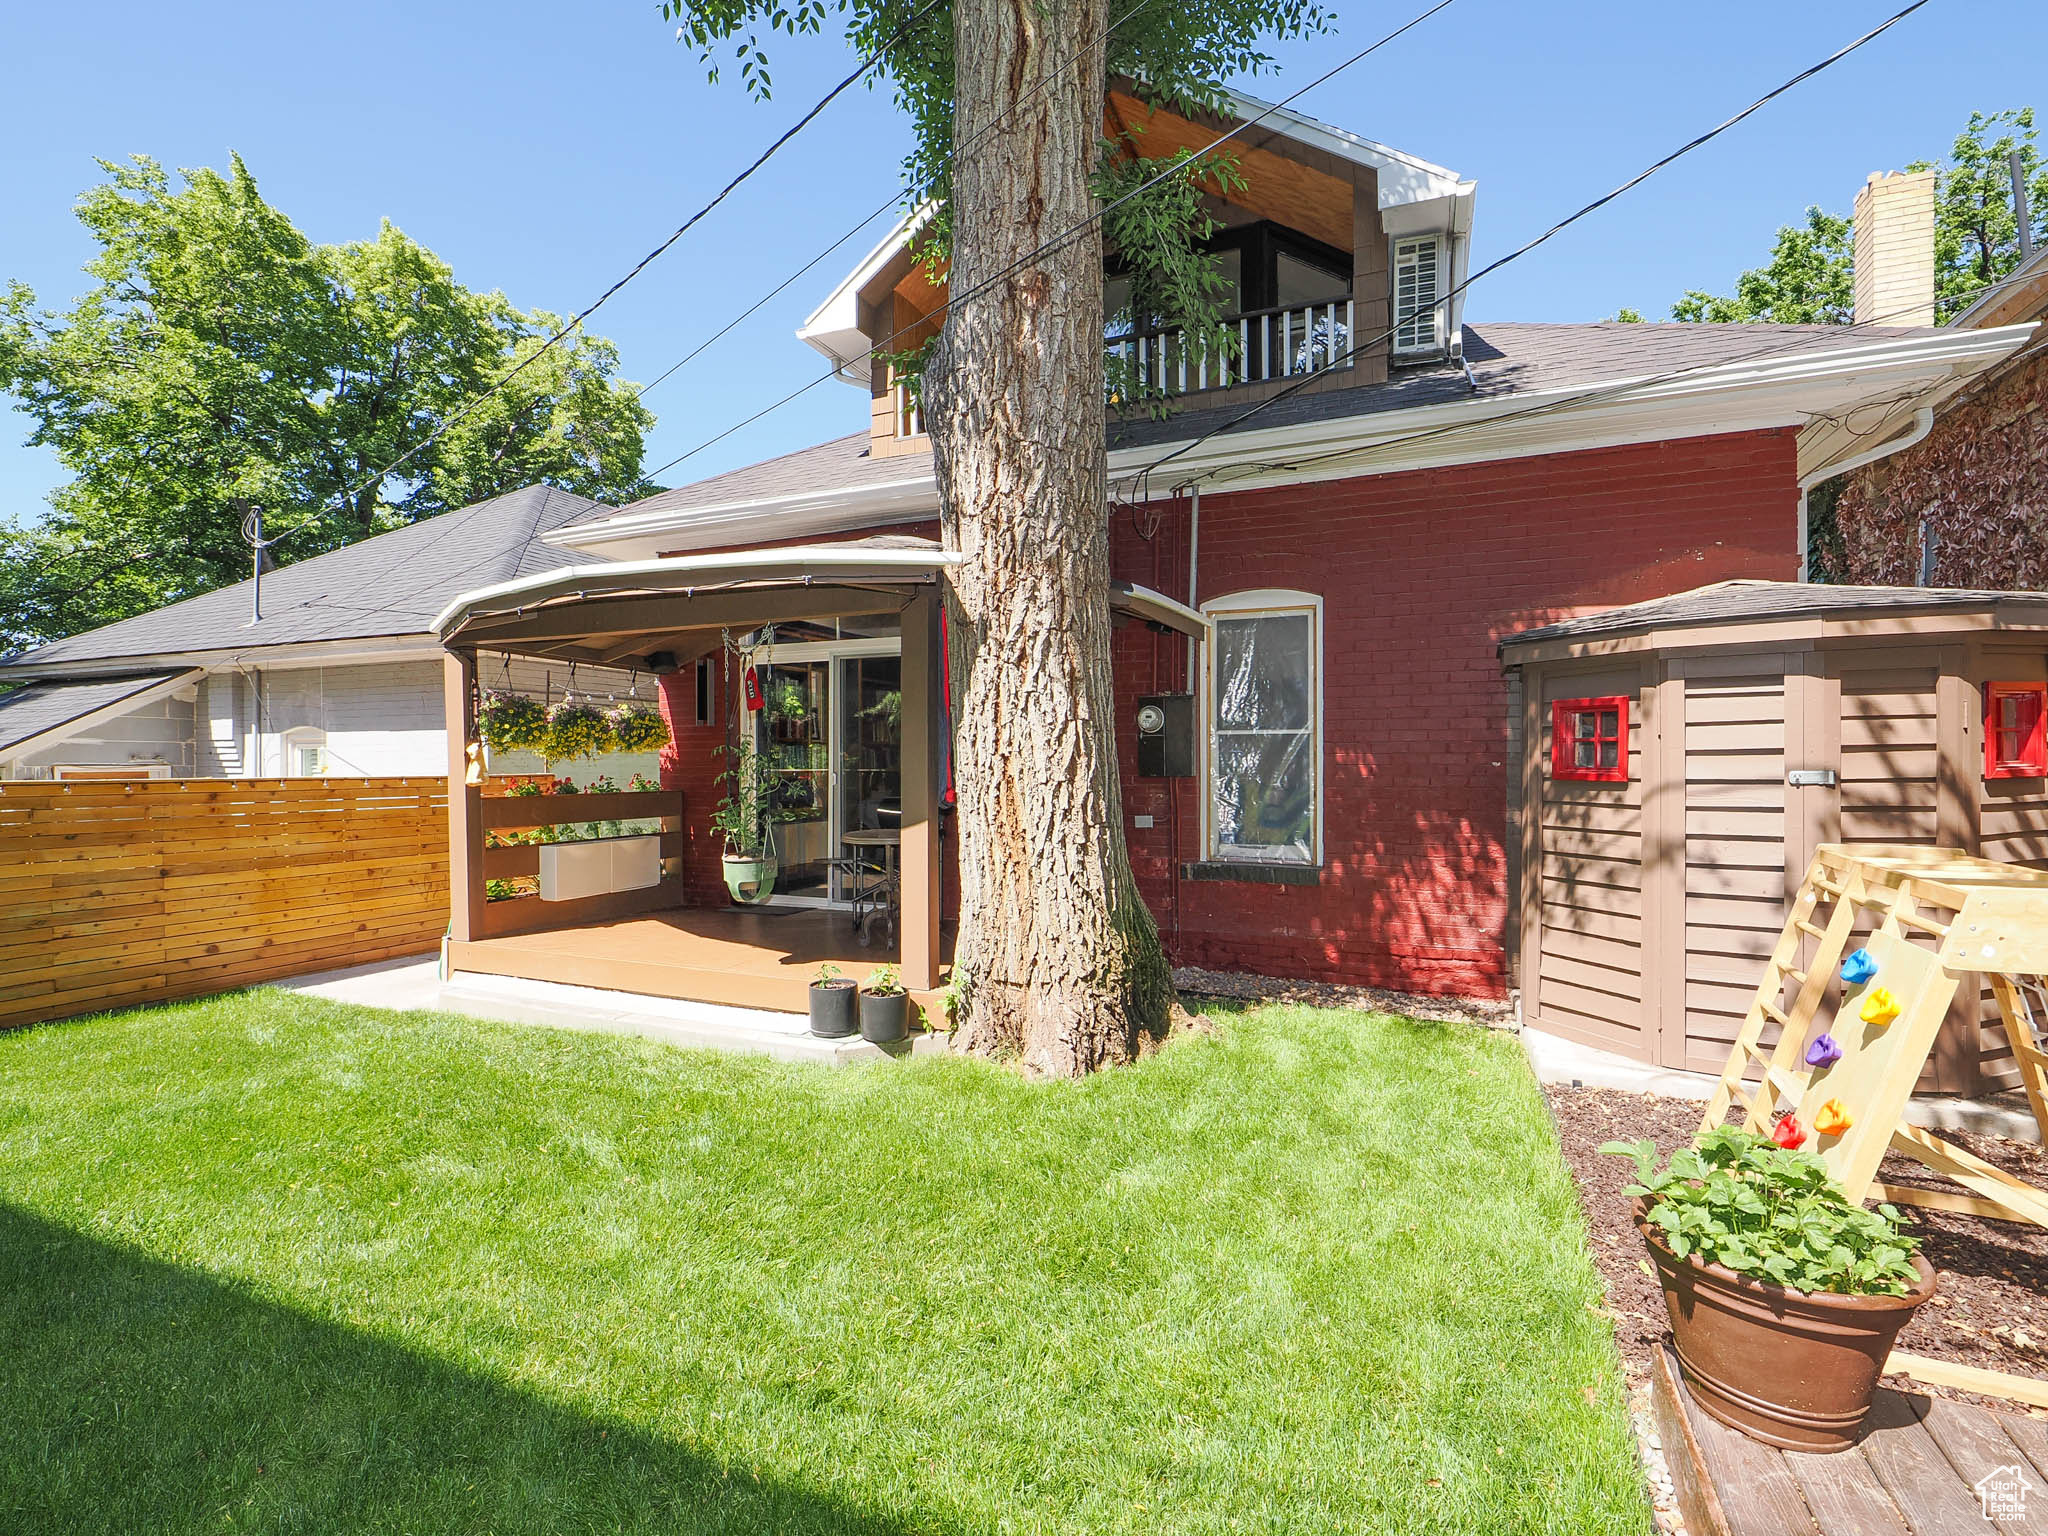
<point x="666" y="929"/>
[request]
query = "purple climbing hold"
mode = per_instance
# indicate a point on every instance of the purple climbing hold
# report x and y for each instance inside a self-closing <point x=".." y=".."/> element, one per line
<point x="1859" y="967"/>
<point x="1823" y="1052"/>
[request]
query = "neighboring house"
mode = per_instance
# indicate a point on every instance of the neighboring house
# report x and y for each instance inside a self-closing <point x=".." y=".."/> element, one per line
<point x="340" y="676"/>
<point x="1960" y="497"/>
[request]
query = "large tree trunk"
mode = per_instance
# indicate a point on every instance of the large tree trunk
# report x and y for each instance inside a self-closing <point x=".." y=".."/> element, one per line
<point x="1061" y="960"/>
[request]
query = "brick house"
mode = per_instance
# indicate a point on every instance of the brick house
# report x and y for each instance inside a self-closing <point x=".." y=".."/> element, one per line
<point x="1960" y="497"/>
<point x="1317" y="547"/>
<point x="1314" y="779"/>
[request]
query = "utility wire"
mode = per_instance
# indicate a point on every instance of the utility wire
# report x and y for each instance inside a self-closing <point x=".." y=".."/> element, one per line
<point x="638" y="267"/>
<point x="1815" y="338"/>
<point x="1562" y="224"/>
<point x="1068" y="236"/>
<point x="894" y="200"/>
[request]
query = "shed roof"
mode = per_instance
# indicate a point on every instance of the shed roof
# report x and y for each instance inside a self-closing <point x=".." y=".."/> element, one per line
<point x="1746" y="601"/>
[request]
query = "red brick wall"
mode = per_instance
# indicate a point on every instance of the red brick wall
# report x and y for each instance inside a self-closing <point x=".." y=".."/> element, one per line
<point x="1421" y="574"/>
<point x="1983" y="475"/>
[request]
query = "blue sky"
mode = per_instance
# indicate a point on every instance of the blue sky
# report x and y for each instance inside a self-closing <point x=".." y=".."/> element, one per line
<point x="542" y="148"/>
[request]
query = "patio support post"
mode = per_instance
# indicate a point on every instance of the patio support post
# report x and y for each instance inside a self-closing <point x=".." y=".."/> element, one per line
<point x="465" y="800"/>
<point x="919" y="958"/>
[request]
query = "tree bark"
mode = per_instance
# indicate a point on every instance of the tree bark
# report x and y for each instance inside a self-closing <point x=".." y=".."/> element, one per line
<point x="1060" y="959"/>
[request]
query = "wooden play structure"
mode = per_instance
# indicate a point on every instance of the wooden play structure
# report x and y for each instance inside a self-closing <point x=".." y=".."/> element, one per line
<point x="1879" y="941"/>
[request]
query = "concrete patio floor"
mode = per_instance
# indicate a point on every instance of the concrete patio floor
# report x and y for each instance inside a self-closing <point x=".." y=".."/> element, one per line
<point x="416" y="984"/>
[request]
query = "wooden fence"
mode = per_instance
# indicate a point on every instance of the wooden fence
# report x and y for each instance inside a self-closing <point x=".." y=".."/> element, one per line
<point x="117" y="894"/>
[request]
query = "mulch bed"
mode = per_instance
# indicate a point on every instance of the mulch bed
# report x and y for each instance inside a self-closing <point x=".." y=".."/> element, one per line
<point x="1232" y="985"/>
<point x="1991" y="1305"/>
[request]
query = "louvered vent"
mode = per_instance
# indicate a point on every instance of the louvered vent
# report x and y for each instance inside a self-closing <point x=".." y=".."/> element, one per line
<point x="1418" y="294"/>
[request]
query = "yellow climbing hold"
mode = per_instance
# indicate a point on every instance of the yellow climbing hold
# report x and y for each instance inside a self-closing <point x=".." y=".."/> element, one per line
<point x="1879" y="1006"/>
<point x="1832" y="1120"/>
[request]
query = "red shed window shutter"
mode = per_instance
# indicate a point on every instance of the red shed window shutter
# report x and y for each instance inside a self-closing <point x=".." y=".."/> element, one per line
<point x="1589" y="739"/>
<point x="2014" y="743"/>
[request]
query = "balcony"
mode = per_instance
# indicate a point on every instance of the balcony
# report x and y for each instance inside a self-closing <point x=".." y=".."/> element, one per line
<point x="1287" y="342"/>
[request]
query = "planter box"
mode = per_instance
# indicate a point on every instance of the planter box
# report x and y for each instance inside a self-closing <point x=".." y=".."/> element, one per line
<point x="598" y="867"/>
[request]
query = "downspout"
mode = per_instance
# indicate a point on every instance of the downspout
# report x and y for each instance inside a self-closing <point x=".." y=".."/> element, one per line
<point x="1923" y="423"/>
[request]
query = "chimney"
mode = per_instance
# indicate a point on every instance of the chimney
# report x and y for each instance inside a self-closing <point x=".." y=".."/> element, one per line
<point x="1894" y="217"/>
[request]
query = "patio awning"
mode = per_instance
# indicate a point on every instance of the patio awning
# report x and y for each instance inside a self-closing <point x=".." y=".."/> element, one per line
<point x="616" y="610"/>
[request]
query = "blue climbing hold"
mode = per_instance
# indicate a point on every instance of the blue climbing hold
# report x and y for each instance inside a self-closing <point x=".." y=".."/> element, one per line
<point x="1859" y="967"/>
<point x="1823" y="1052"/>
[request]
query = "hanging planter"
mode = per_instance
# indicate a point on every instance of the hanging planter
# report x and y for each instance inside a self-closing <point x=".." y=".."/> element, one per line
<point x="638" y="728"/>
<point x="512" y="722"/>
<point x="578" y="730"/>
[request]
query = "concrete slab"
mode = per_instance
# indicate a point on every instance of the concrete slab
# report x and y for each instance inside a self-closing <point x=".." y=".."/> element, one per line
<point x="1557" y="1060"/>
<point x="416" y="984"/>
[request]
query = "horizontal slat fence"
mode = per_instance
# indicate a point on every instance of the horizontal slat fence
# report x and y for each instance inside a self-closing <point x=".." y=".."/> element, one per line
<point x="116" y="894"/>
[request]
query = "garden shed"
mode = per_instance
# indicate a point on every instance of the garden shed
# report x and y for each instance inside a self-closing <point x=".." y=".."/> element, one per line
<point x="1674" y="764"/>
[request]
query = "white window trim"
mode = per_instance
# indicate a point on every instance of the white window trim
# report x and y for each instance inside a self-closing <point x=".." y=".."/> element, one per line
<point x="1440" y="327"/>
<point x="1251" y="604"/>
<point x="295" y="740"/>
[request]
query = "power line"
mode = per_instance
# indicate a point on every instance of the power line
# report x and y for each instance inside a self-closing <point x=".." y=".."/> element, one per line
<point x="1067" y="237"/>
<point x="894" y="200"/>
<point x="1562" y="224"/>
<point x="1817" y="336"/>
<point x="638" y="267"/>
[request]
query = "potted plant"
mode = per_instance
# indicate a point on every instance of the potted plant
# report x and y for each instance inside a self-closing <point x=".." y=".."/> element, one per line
<point x="742" y="820"/>
<point x="1784" y="1295"/>
<point x="884" y="1007"/>
<point x="832" y="1009"/>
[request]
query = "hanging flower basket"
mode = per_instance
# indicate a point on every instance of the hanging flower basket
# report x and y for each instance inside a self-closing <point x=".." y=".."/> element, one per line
<point x="639" y="728"/>
<point x="578" y="730"/>
<point x="512" y="722"/>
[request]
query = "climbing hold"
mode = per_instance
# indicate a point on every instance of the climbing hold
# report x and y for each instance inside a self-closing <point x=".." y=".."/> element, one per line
<point x="1879" y="1006"/>
<point x="1859" y="967"/>
<point x="1786" y="1133"/>
<point x="1832" y="1120"/>
<point x="1823" y="1052"/>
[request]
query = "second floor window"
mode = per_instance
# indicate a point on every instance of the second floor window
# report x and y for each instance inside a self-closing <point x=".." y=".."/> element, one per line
<point x="1419" y="284"/>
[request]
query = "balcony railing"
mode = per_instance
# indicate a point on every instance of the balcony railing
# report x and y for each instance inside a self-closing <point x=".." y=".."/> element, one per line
<point x="1280" y="343"/>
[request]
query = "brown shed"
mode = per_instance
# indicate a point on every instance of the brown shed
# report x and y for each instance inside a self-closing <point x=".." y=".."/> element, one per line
<point x="1679" y="760"/>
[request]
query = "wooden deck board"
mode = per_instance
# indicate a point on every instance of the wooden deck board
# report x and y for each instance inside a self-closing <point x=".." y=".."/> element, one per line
<point x="1911" y="1474"/>
<point x="740" y="959"/>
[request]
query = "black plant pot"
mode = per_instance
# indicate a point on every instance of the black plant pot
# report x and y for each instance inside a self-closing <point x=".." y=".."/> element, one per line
<point x="832" y="1008"/>
<point x="884" y="1016"/>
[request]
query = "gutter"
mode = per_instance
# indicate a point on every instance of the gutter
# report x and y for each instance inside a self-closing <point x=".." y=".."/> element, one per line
<point x="1923" y="423"/>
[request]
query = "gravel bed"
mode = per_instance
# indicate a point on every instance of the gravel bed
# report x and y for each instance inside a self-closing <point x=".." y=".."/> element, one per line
<point x="1495" y="1013"/>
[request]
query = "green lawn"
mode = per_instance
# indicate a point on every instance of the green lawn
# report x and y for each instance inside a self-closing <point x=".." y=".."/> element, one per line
<point x="268" y="1263"/>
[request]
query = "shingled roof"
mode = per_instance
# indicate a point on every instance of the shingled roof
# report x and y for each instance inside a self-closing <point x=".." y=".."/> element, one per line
<point x="1747" y="601"/>
<point x="389" y="585"/>
<point x="38" y="708"/>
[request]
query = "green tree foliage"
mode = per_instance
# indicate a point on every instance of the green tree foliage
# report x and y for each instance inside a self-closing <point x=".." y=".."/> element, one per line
<point x="1809" y="279"/>
<point x="222" y="358"/>
<point x="1179" y="54"/>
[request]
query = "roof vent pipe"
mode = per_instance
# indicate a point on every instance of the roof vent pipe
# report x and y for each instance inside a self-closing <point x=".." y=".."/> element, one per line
<point x="1923" y="423"/>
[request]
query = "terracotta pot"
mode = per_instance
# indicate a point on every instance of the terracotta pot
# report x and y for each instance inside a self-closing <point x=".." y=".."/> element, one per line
<point x="1794" y="1369"/>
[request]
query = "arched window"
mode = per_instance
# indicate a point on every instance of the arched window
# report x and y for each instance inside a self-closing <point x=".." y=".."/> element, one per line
<point x="1264" y="706"/>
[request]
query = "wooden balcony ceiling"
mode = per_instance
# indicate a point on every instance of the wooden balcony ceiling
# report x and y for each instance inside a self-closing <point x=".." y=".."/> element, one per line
<point x="1280" y="184"/>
